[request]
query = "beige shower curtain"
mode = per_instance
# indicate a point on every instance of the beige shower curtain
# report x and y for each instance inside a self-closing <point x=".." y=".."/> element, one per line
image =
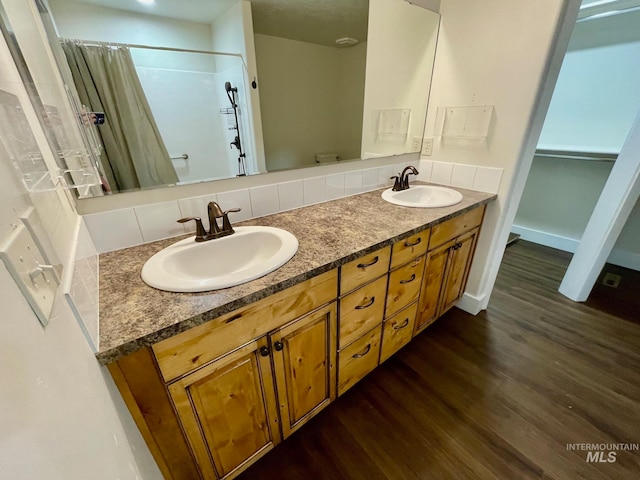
<point x="134" y="154"/>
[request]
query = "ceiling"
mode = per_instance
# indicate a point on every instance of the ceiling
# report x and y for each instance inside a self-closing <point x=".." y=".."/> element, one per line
<point x="313" y="21"/>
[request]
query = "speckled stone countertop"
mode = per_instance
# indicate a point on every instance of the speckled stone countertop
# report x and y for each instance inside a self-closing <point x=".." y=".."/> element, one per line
<point x="134" y="315"/>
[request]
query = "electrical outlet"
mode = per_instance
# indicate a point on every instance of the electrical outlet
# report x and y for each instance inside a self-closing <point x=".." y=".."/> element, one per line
<point x="415" y="144"/>
<point x="427" y="146"/>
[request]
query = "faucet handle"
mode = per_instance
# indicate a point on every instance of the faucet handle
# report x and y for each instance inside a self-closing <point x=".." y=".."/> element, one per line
<point x="226" y="224"/>
<point x="200" y="233"/>
<point x="397" y="184"/>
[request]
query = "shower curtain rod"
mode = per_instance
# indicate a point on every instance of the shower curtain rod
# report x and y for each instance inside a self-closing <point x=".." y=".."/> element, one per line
<point x="98" y="43"/>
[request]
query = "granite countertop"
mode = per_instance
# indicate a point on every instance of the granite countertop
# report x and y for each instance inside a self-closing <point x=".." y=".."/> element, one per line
<point x="134" y="315"/>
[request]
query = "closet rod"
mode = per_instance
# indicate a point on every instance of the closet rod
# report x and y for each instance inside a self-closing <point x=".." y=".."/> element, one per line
<point x="573" y="155"/>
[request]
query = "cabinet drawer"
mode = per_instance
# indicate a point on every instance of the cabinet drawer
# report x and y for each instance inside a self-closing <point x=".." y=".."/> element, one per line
<point x="358" y="359"/>
<point x="364" y="269"/>
<point x="404" y="285"/>
<point x="189" y="350"/>
<point x="455" y="226"/>
<point x="409" y="248"/>
<point x="361" y="310"/>
<point x="397" y="331"/>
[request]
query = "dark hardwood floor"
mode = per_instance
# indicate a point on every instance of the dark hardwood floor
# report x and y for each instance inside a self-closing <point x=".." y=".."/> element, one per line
<point x="497" y="396"/>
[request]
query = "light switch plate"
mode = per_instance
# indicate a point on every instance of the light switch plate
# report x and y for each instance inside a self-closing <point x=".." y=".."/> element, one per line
<point x="30" y="271"/>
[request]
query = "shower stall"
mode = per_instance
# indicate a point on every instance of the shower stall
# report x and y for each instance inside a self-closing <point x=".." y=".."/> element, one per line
<point x="200" y="134"/>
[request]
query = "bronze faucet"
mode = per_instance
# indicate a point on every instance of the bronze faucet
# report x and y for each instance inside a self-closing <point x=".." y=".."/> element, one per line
<point x="215" y="230"/>
<point x="402" y="179"/>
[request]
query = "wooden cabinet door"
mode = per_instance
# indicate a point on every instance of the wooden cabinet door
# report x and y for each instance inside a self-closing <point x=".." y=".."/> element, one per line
<point x="458" y="269"/>
<point x="434" y="276"/>
<point x="228" y="410"/>
<point x="304" y="357"/>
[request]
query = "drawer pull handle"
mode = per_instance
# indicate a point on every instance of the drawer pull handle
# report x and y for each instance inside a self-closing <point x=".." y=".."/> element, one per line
<point x="372" y="262"/>
<point x="417" y="242"/>
<point x="411" y="279"/>
<point x="402" y="325"/>
<point x="366" y="305"/>
<point x="364" y="352"/>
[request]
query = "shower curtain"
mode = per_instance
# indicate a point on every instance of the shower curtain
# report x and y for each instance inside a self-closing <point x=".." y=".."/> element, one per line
<point x="134" y="154"/>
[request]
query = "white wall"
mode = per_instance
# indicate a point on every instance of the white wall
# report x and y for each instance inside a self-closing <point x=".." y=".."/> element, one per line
<point x="558" y="200"/>
<point x="301" y="92"/>
<point x="61" y="415"/>
<point x="597" y="95"/>
<point x="401" y="44"/>
<point x="92" y="22"/>
<point x="507" y="59"/>
<point x="592" y="109"/>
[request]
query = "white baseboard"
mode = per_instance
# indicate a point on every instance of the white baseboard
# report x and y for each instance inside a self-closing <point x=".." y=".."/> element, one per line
<point x="625" y="259"/>
<point x="471" y="304"/>
<point x="559" y="242"/>
<point x="618" y="257"/>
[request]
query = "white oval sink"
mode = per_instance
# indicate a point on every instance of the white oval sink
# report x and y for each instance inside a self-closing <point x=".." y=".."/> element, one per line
<point x="423" y="196"/>
<point x="249" y="253"/>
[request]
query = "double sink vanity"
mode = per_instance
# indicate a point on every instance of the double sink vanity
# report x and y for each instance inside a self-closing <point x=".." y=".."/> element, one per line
<point x="214" y="380"/>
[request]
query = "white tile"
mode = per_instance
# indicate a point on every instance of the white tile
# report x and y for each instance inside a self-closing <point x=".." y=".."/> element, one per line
<point x="441" y="173"/>
<point x="384" y="175"/>
<point x="236" y="199"/>
<point x="159" y="220"/>
<point x="488" y="179"/>
<point x="335" y="186"/>
<point x="463" y="175"/>
<point x="264" y="200"/>
<point x="291" y="195"/>
<point x="424" y="170"/>
<point x="314" y="190"/>
<point x="353" y="182"/>
<point x="196" y="207"/>
<point x="369" y="179"/>
<point x="114" y="229"/>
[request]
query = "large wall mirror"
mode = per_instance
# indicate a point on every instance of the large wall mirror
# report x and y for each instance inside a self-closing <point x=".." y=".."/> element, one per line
<point x="205" y="90"/>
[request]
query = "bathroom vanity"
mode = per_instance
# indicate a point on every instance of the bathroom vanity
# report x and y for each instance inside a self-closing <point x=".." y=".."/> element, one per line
<point x="215" y="380"/>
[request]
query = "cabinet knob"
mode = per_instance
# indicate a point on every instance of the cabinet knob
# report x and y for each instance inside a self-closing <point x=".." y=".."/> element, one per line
<point x="278" y="345"/>
<point x="264" y="351"/>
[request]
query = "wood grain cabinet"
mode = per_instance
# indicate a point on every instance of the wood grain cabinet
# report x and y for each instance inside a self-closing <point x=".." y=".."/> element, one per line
<point x="367" y="321"/>
<point x="229" y="408"/>
<point x="213" y="399"/>
<point x="448" y="262"/>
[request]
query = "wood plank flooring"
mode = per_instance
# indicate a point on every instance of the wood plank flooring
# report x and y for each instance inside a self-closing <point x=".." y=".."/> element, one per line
<point x="497" y="396"/>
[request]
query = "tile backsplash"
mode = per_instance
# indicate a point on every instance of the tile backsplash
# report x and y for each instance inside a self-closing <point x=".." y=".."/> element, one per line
<point x="116" y="229"/>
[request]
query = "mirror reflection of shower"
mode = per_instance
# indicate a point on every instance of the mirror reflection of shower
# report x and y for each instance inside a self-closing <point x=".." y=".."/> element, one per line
<point x="231" y="94"/>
